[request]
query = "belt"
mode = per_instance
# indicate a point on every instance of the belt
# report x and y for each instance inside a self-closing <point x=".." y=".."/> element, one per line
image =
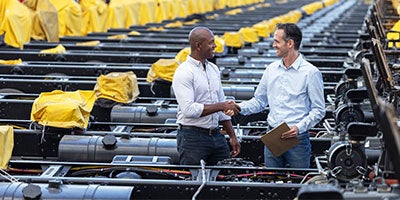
<point x="209" y="131"/>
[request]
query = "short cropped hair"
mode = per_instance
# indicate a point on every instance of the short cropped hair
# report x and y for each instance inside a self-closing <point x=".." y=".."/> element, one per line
<point x="292" y="31"/>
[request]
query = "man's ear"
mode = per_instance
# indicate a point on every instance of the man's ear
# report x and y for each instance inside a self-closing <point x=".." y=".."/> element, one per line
<point x="198" y="45"/>
<point x="291" y="43"/>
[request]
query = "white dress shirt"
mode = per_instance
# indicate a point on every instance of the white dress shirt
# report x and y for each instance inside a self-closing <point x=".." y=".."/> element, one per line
<point x="195" y="86"/>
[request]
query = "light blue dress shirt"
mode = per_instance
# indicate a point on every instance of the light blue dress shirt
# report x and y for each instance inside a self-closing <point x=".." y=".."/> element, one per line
<point x="195" y="86"/>
<point x="295" y="95"/>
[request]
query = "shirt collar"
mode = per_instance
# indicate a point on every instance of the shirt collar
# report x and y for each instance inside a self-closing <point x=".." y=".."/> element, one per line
<point x="195" y="62"/>
<point x="296" y="64"/>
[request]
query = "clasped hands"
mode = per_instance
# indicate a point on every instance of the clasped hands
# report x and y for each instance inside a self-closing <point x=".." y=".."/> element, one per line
<point x="231" y="108"/>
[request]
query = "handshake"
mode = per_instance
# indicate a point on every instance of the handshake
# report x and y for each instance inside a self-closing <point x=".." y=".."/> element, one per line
<point x="230" y="108"/>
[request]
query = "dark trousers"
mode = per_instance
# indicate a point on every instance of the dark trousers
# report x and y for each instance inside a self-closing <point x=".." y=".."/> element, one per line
<point x="195" y="144"/>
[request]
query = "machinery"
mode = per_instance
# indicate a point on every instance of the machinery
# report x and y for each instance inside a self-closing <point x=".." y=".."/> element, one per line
<point x="128" y="151"/>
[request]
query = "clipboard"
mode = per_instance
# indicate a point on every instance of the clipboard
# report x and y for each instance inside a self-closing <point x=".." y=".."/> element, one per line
<point x="275" y="144"/>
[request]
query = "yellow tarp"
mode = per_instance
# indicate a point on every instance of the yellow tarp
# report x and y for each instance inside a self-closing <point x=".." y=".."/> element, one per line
<point x="59" y="49"/>
<point x="94" y="14"/>
<point x="88" y="43"/>
<point x="147" y="10"/>
<point x="158" y="29"/>
<point x="44" y="20"/>
<point x="11" y="62"/>
<point x="118" y="37"/>
<point x="194" y="7"/>
<point x="116" y="14"/>
<point x="329" y="2"/>
<point x="15" y="23"/>
<point x="394" y="35"/>
<point x="220" y="44"/>
<point x="70" y="17"/>
<point x="125" y="13"/>
<point x="192" y="22"/>
<point x="312" y="7"/>
<point x="233" y="39"/>
<point x="163" y="68"/>
<point x="118" y="86"/>
<point x="166" y="10"/>
<point x="134" y="33"/>
<point x="63" y="109"/>
<point x="220" y="4"/>
<point x="176" y="24"/>
<point x="181" y="8"/>
<point x="182" y="55"/>
<point x="249" y="34"/>
<point x="6" y="145"/>
<point x="234" y="11"/>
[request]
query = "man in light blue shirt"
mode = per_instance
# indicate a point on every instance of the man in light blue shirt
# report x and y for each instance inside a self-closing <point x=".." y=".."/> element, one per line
<point x="293" y="89"/>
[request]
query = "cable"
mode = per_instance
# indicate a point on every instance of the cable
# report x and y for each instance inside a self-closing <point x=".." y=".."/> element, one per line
<point x="203" y="173"/>
<point x="308" y="174"/>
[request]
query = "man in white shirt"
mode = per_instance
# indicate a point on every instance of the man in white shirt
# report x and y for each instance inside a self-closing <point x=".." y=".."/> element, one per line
<point x="201" y="105"/>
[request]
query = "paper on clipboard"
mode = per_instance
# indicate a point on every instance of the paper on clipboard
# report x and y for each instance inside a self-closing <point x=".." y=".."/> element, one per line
<point x="275" y="144"/>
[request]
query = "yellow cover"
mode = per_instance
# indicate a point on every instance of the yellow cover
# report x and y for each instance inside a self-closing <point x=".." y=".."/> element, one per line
<point x="59" y="49"/>
<point x="6" y="145"/>
<point x="118" y="37"/>
<point x="252" y="8"/>
<point x="116" y="14"/>
<point x="220" y="4"/>
<point x="134" y="33"/>
<point x="233" y="39"/>
<point x="394" y="35"/>
<point x="166" y="10"/>
<point x="44" y="20"/>
<point x="63" y="109"/>
<point x="261" y="29"/>
<point x="120" y="87"/>
<point x="398" y="9"/>
<point x="194" y="7"/>
<point x="234" y="11"/>
<point x="177" y="24"/>
<point x="128" y="12"/>
<point x="312" y="7"/>
<point x="163" y="68"/>
<point x="15" y="23"/>
<point x="70" y="17"/>
<point x="191" y="22"/>
<point x="249" y="34"/>
<point x="88" y="43"/>
<point x="329" y="2"/>
<point x="181" y="55"/>
<point x="147" y="12"/>
<point x="158" y="29"/>
<point x="220" y="44"/>
<point x="94" y="15"/>
<point x="11" y="62"/>
<point x="208" y="5"/>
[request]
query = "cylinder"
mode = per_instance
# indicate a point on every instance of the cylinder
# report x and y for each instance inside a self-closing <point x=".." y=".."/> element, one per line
<point x="19" y="190"/>
<point x="242" y="73"/>
<point x="93" y="148"/>
<point x="142" y="114"/>
<point x="240" y="93"/>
